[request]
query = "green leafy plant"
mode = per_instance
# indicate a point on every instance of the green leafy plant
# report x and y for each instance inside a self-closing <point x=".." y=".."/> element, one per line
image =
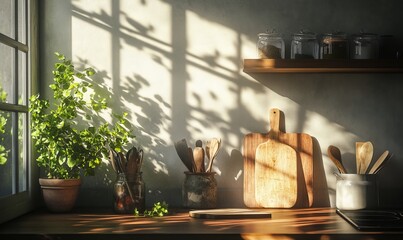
<point x="66" y="148"/>
<point x="158" y="210"/>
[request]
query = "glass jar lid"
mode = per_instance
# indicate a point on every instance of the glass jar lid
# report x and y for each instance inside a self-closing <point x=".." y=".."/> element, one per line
<point x="270" y="34"/>
<point x="334" y="37"/>
<point x="303" y="34"/>
<point x="365" y="36"/>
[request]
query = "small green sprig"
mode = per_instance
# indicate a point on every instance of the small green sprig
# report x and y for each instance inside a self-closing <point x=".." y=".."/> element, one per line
<point x="158" y="210"/>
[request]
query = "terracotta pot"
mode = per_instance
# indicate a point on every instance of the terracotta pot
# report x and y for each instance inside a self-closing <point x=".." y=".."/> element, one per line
<point x="60" y="194"/>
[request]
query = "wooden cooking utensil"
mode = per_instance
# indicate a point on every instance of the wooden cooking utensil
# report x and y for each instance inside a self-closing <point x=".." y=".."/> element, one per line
<point x="123" y="162"/>
<point x="207" y="153"/>
<point x="113" y="160"/>
<point x="366" y="153"/>
<point x="215" y="145"/>
<point x="379" y="162"/>
<point x="275" y="170"/>
<point x="132" y="167"/>
<point x="191" y="159"/>
<point x="183" y="153"/>
<point x="198" y="156"/>
<point x="140" y="159"/>
<point x="302" y="143"/>
<point x="199" y="143"/>
<point x="335" y="156"/>
<point x="358" y="146"/>
<point x="383" y="164"/>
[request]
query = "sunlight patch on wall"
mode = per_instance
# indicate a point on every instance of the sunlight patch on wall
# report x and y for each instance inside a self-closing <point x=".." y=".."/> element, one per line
<point x="146" y="76"/>
<point x="86" y="34"/>
<point x="329" y="132"/>
<point x="212" y="43"/>
<point x="85" y="40"/>
<point x="213" y="64"/>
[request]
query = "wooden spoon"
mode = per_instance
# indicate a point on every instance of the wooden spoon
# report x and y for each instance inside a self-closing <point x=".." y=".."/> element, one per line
<point x="335" y="156"/>
<point x="214" y="147"/>
<point x="198" y="156"/>
<point x="366" y="154"/>
<point x="378" y="164"/>
<point x="358" y="146"/>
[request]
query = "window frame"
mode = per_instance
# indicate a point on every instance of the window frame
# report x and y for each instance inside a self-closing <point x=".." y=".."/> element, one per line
<point x="20" y="203"/>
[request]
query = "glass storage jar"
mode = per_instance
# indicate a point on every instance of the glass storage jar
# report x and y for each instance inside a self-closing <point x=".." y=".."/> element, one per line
<point x="388" y="47"/>
<point x="270" y="45"/>
<point x="129" y="193"/>
<point x="334" y="46"/>
<point x="365" y="46"/>
<point x="304" y="45"/>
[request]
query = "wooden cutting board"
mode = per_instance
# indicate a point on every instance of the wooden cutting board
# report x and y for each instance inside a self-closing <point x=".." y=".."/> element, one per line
<point x="303" y="145"/>
<point x="275" y="175"/>
<point x="250" y="143"/>
<point x="229" y="213"/>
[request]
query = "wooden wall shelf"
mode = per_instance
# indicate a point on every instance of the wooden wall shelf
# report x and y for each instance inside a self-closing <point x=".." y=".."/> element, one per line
<point x="322" y="66"/>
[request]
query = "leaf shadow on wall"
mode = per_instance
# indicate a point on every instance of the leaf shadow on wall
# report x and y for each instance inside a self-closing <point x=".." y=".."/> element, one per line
<point x="144" y="128"/>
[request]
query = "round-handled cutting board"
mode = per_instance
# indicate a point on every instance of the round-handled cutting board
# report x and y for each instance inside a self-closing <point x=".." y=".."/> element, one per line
<point x="302" y="144"/>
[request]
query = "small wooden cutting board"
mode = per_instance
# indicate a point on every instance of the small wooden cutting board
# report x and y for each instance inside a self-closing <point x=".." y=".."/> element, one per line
<point x="229" y="213"/>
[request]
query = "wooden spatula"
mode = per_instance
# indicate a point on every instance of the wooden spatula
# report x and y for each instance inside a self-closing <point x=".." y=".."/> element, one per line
<point x="366" y="153"/>
<point x="358" y="146"/>
<point x="183" y="153"/>
<point x="379" y="162"/>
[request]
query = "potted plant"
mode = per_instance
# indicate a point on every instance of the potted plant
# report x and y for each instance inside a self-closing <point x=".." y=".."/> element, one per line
<point x="69" y="135"/>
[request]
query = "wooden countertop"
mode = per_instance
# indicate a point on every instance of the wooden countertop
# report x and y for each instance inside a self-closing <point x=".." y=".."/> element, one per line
<point x="285" y="224"/>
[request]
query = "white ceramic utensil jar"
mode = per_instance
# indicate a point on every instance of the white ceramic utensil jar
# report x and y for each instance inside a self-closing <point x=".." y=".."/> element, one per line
<point x="357" y="191"/>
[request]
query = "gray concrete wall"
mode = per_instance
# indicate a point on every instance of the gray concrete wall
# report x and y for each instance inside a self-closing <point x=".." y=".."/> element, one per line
<point x="176" y="67"/>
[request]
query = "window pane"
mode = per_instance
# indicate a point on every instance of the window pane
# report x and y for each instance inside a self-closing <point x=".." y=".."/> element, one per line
<point x="22" y="21"/>
<point x="22" y="152"/>
<point x="7" y="73"/>
<point x="6" y="164"/>
<point x="22" y="78"/>
<point x="7" y="24"/>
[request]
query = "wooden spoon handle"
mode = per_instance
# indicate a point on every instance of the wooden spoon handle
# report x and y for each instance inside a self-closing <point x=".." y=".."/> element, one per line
<point x="274" y="131"/>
